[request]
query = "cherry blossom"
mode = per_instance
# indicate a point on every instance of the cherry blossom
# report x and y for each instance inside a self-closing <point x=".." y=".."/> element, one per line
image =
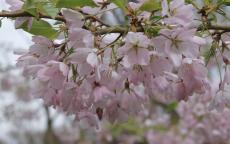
<point x="135" y="50"/>
<point x="103" y="70"/>
<point x="179" y="41"/>
<point x="178" y="12"/>
<point x="15" y="4"/>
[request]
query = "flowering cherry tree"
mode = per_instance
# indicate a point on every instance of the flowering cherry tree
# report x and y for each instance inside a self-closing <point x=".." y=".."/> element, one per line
<point x="161" y="56"/>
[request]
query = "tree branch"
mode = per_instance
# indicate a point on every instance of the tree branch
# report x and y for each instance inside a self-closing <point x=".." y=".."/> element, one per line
<point x="26" y="14"/>
<point x="59" y="18"/>
<point x="119" y="29"/>
<point x="214" y="27"/>
<point x="113" y="29"/>
<point x="116" y="29"/>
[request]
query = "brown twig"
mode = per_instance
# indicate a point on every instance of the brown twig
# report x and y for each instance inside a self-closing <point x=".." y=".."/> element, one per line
<point x="26" y="14"/>
<point x="109" y="29"/>
<point x="214" y="27"/>
<point x="96" y="19"/>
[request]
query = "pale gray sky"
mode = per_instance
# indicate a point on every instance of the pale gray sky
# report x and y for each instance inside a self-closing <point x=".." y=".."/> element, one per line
<point x="9" y="34"/>
<point x="10" y="38"/>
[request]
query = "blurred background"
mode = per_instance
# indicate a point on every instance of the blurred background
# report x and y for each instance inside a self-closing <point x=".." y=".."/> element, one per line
<point x="22" y="120"/>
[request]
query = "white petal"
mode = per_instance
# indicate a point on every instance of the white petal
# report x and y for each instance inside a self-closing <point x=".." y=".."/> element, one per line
<point x="92" y="59"/>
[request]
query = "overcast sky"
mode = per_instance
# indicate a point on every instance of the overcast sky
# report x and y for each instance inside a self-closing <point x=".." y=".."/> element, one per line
<point x="11" y="38"/>
<point x="9" y="34"/>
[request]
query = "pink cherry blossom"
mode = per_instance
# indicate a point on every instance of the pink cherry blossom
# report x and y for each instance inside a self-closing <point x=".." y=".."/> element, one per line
<point x="194" y="76"/>
<point x="86" y="59"/>
<point x="54" y="73"/>
<point x="98" y="76"/>
<point x="73" y="18"/>
<point x="178" y="12"/>
<point x="135" y="50"/>
<point x="179" y="41"/>
<point x="15" y="4"/>
<point x="80" y="38"/>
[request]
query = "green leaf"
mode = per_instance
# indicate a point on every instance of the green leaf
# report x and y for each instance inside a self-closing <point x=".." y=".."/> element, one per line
<point x="207" y="2"/>
<point x="41" y="27"/>
<point x="226" y="2"/>
<point x="160" y="128"/>
<point x="130" y="127"/>
<point x="34" y="7"/>
<point x="120" y="3"/>
<point x="155" y="18"/>
<point x="151" y="5"/>
<point x="171" y="107"/>
<point x="174" y="117"/>
<point x="152" y="31"/>
<point x="50" y="9"/>
<point x="30" y="7"/>
<point x="75" y="3"/>
<point x="210" y="52"/>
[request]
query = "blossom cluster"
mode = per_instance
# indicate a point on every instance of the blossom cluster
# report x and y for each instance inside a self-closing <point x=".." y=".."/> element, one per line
<point x="97" y="77"/>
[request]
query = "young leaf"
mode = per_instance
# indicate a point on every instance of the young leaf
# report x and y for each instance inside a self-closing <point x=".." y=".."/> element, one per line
<point x="31" y="7"/>
<point x="50" y="9"/>
<point x="151" y="5"/>
<point x="34" y="7"/>
<point x="41" y="27"/>
<point x="210" y="53"/>
<point x="75" y="3"/>
<point x="152" y="30"/>
<point x="226" y="2"/>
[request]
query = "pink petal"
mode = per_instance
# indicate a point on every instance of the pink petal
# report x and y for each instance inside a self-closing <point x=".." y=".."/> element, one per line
<point x="92" y="59"/>
<point x="73" y="18"/>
